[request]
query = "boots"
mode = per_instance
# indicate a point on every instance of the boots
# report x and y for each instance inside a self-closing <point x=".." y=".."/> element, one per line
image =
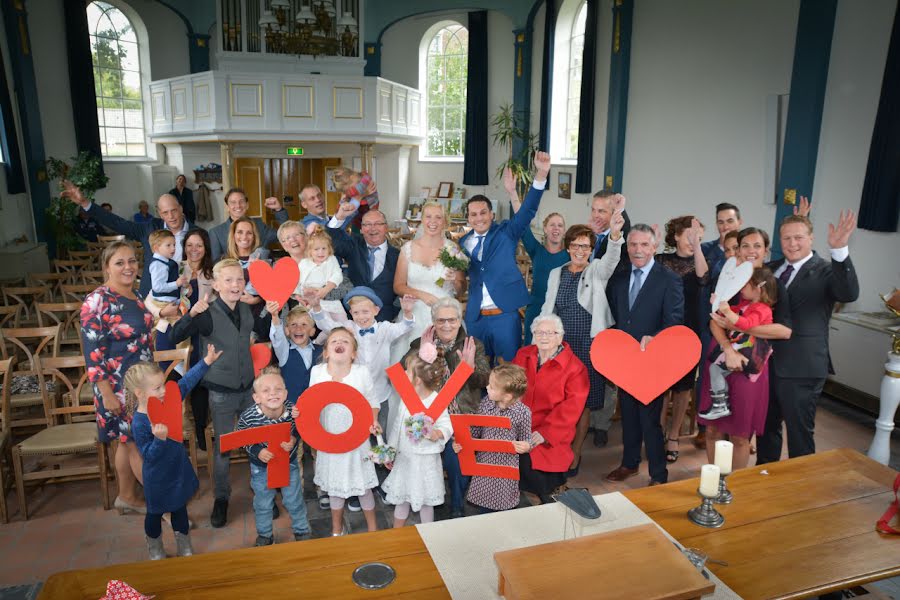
<point x="719" y="407"/>
<point x="183" y="544"/>
<point x="155" y="546"/>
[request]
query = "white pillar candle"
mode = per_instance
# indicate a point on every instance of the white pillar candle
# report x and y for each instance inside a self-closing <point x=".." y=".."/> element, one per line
<point x="709" y="481"/>
<point x="724" y="452"/>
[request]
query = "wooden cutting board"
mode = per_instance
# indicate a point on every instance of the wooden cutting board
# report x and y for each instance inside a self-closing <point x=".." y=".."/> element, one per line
<point x="637" y="562"/>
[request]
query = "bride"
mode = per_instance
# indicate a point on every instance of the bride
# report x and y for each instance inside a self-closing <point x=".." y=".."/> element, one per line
<point x="420" y="273"/>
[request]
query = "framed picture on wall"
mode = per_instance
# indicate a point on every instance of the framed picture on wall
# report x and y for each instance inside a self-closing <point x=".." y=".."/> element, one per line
<point x="445" y="189"/>
<point x="565" y="186"/>
<point x="329" y="180"/>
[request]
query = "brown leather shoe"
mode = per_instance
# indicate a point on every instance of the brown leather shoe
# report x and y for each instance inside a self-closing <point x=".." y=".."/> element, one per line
<point x="621" y="473"/>
<point x="700" y="440"/>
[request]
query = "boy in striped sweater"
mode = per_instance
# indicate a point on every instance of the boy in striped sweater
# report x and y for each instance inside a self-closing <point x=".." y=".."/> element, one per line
<point x="270" y="408"/>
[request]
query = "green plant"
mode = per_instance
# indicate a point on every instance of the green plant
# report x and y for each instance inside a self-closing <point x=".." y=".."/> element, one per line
<point x="510" y="133"/>
<point x="86" y="172"/>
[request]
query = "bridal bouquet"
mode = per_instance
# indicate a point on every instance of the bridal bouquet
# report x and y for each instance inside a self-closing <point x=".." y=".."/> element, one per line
<point x="418" y="427"/>
<point x="453" y="257"/>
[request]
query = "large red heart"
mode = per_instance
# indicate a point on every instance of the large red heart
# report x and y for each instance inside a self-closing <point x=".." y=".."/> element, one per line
<point x="168" y="411"/>
<point x="275" y="283"/>
<point x="262" y="356"/>
<point x="647" y="374"/>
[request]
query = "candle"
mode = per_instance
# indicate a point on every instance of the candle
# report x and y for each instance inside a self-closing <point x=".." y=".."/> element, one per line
<point x="724" y="450"/>
<point x="709" y="481"/>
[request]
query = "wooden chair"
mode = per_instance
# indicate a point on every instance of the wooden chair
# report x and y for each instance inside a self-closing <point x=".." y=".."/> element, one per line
<point x="50" y="280"/>
<point x="106" y="239"/>
<point x="26" y="297"/>
<point x="13" y="345"/>
<point x="71" y="267"/>
<point x="92" y="256"/>
<point x="75" y="292"/>
<point x="10" y="315"/>
<point x="5" y="437"/>
<point x="69" y="439"/>
<point x="68" y="316"/>
<point x="181" y="356"/>
<point x="94" y="278"/>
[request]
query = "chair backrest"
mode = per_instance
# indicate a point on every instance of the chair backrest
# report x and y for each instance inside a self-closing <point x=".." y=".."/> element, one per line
<point x="106" y="239"/>
<point x="47" y="345"/>
<point x="177" y="355"/>
<point x="71" y="266"/>
<point x="26" y="296"/>
<point x="65" y="400"/>
<point x="75" y="292"/>
<point x="65" y="314"/>
<point x="51" y="280"/>
<point x="6" y="366"/>
<point x="9" y="315"/>
<point x="94" y="278"/>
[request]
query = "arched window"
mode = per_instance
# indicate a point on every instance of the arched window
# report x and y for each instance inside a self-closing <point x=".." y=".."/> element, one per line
<point x="443" y="78"/>
<point x="567" y="61"/>
<point x="117" y="81"/>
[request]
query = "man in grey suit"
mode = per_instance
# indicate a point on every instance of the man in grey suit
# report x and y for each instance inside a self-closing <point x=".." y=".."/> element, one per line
<point x="801" y="363"/>
<point x="236" y="204"/>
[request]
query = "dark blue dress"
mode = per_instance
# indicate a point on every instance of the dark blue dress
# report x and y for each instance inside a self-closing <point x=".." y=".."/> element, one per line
<point x="169" y="477"/>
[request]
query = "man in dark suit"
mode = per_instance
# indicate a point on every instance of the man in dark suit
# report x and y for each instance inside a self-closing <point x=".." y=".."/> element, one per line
<point x="236" y="204"/>
<point x="186" y="197"/>
<point x="172" y="218"/>
<point x="728" y="219"/>
<point x="371" y="261"/>
<point x="801" y="364"/>
<point x="644" y="299"/>
<point x="604" y="204"/>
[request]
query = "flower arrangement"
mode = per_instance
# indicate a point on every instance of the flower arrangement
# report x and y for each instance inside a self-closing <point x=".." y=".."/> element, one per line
<point x="418" y="427"/>
<point x="381" y="454"/>
<point x="452" y="257"/>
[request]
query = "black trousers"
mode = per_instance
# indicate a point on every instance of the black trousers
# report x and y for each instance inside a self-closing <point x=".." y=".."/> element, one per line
<point x="640" y="423"/>
<point x="792" y="401"/>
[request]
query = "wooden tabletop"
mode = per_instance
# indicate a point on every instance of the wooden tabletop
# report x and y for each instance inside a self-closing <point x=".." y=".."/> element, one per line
<point x="805" y="528"/>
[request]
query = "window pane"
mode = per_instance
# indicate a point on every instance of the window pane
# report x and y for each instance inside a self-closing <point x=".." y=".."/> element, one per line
<point x="131" y="84"/>
<point x="105" y="52"/>
<point x="100" y="118"/>
<point x="445" y="89"/>
<point x="97" y="87"/>
<point x="134" y="116"/>
<point x="111" y="83"/>
<point x="129" y="53"/>
<point x="115" y="141"/>
<point x="114" y="117"/>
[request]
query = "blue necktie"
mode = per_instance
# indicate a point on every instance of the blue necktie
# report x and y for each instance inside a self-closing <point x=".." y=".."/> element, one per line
<point x="635" y="287"/>
<point x="600" y="238"/>
<point x="476" y="251"/>
<point x="363" y="332"/>
<point x="371" y="261"/>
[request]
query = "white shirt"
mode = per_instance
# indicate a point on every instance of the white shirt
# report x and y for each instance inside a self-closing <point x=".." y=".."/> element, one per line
<point x="179" y="240"/>
<point x="380" y="256"/>
<point x="645" y="270"/>
<point x="837" y="254"/>
<point x="159" y="277"/>
<point x="283" y="347"/>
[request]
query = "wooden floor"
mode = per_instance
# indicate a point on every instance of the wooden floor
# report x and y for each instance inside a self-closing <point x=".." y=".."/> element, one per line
<point x="69" y="530"/>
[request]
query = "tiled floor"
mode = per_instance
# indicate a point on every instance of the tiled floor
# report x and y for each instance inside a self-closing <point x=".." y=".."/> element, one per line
<point x="69" y="530"/>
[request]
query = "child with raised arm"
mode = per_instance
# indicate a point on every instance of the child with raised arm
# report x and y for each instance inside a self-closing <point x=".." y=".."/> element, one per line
<point x="169" y="477"/>
<point x="272" y="406"/>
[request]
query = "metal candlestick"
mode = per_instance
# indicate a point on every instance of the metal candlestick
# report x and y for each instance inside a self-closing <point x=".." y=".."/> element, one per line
<point x="725" y="496"/>
<point x="705" y="515"/>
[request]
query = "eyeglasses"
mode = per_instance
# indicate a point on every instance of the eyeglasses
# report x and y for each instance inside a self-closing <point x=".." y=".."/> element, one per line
<point x="378" y="224"/>
<point x="581" y="247"/>
<point x="450" y="321"/>
<point x="294" y="236"/>
<point x="545" y="333"/>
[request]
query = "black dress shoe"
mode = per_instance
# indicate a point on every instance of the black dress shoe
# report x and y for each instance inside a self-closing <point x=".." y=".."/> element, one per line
<point x="262" y="540"/>
<point x="601" y="438"/>
<point x="219" y="514"/>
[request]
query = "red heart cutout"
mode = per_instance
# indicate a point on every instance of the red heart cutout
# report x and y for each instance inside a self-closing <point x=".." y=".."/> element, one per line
<point x="168" y="411"/>
<point x="262" y="356"/>
<point x="275" y="283"/>
<point x="645" y="375"/>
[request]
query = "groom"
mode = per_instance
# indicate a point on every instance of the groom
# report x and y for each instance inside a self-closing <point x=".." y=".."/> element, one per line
<point x="496" y="287"/>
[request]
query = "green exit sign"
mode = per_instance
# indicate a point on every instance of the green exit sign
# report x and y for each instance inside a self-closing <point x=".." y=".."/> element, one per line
<point x="294" y="151"/>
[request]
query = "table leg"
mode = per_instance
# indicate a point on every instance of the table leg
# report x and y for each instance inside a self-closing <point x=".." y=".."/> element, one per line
<point x="880" y="450"/>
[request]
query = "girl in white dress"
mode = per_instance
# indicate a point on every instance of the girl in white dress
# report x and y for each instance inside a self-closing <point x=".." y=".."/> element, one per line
<point x="320" y="271"/>
<point x="417" y="477"/>
<point x="347" y="474"/>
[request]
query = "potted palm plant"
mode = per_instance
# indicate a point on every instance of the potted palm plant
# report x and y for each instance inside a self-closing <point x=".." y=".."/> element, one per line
<point x="86" y="171"/>
<point x="511" y="135"/>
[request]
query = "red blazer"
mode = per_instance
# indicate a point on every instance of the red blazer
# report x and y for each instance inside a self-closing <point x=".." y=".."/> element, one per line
<point x="556" y="396"/>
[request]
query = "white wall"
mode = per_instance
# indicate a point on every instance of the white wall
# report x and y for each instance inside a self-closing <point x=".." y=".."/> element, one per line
<point x="400" y="63"/>
<point x="858" y="55"/>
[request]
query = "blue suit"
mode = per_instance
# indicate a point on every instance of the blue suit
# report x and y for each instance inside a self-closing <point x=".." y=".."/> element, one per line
<point x="296" y="375"/>
<point x="498" y="271"/>
<point x="355" y="251"/>
<point x="659" y="304"/>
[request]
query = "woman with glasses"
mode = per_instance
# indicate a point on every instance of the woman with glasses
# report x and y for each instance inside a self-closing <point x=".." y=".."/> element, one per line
<point x="576" y="292"/>
<point x="558" y="387"/>
<point x="446" y="337"/>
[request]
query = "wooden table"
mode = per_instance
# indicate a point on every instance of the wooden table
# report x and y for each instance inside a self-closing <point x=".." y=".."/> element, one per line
<point x="806" y="528"/>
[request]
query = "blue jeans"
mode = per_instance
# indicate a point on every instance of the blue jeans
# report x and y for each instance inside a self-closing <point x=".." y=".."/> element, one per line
<point x="264" y="500"/>
<point x="456" y="481"/>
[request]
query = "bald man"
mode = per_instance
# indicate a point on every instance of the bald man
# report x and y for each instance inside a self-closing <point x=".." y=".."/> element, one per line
<point x="171" y="218"/>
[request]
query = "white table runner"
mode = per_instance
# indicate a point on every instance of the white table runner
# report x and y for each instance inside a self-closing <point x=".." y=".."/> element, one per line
<point x="463" y="549"/>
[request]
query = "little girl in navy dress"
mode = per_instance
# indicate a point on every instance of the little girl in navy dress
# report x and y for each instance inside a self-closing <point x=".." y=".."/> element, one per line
<point x="169" y="478"/>
<point x="506" y="387"/>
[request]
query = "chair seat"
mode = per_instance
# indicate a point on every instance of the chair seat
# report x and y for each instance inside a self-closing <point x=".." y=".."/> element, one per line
<point x="62" y="439"/>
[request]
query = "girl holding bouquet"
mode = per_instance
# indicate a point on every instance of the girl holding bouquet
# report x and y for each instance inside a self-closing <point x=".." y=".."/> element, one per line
<point x="416" y="481"/>
<point x="422" y="272"/>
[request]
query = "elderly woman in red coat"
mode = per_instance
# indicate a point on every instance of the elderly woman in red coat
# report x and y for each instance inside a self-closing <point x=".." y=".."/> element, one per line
<point x="557" y="391"/>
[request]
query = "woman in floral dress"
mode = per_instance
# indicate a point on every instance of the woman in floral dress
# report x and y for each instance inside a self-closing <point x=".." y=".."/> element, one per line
<point x="115" y="334"/>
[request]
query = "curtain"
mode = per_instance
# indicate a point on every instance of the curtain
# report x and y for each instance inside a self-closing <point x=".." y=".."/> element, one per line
<point x="81" y="77"/>
<point x="880" y="205"/>
<point x="586" y="109"/>
<point x="475" y="165"/>
<point x="547" y="75"/>
<point x="9" y="140"/>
